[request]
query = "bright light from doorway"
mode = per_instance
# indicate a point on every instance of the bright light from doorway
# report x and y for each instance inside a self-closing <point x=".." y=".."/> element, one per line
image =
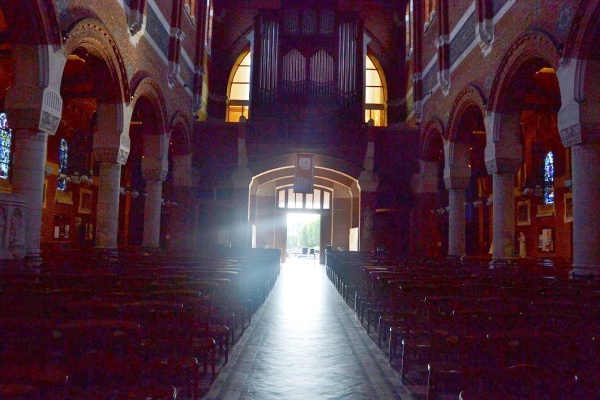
<point x="303" y="232"/>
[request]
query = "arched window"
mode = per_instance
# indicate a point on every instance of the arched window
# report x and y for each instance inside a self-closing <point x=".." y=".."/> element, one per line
<point x="374" y="93"/>
<point x="239" y="91"/>
<point x="63" y="160"/>
<point x="5" y="146"/>
<point x="408" y="20"/>
<point x="549" y="178"/>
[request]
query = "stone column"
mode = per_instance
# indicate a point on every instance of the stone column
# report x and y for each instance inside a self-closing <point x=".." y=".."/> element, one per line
<point x="28" y="181"/>
<point x="424" y="186"/>
<point x="457" y="175"/>
<point x="241" y="179"/>
<point x="368" y="182"/>
<point x="184" y="222"/>
<point x="578" y="127"/>
<point x="504" y="218"/>
<point x="152" y="210"/>
<point x="503" y="154"/>
<point x="456" y="222"/>
<point x="111" y="149"/>
<point x="155" y="166"/>
<point x="585" y="161"/>
<point x="34" y="108"/>
<point x="107" y="218"/>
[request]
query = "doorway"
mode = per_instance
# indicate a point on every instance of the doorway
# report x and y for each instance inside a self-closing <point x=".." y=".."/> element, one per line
<point x="303" y="236"/>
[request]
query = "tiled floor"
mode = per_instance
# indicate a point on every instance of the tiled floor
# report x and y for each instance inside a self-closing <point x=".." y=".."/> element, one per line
<point x="306" y="343"/>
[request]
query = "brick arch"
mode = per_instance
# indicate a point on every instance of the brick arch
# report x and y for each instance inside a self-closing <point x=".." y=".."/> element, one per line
<point x="148" y="89"/>
<point x="180" y="133"/>
<point x="530" y="52"/>
<point x="92" y="35"/>
<point x="434" y="132"/>
<point x="468" y="99"/>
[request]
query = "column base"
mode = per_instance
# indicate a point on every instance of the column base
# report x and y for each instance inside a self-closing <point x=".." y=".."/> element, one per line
<point x="152" y="249"/>
<point x="585" y="272"/>
<point x="503" y="263"/>
<point x="107" y="257"/>
<point x="33" y="261"/>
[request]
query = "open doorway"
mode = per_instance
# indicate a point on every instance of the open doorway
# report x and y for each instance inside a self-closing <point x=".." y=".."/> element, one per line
<point x="303" y="236"/>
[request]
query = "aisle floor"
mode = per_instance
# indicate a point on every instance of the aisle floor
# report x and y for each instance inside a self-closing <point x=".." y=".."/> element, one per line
<point x="306" y="343"/>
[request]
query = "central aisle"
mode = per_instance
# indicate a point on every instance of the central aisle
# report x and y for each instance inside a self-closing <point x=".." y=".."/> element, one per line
<point x="305" y="343"/>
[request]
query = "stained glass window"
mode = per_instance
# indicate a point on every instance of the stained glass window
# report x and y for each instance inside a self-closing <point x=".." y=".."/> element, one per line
<point x="63" y="159"/>
<point x="5" y="146"/>
<point x="549" y="178"/>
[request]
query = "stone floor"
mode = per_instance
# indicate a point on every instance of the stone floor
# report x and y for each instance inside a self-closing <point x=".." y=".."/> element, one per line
<point x="305" y="342"/>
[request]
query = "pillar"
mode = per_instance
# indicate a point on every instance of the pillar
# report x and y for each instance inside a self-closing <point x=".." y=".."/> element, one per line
<point x="457" y="175"/>
<point x="456" y="222"/>
<point x="578" y="128"/>
<point x="28" y="181"/>
<point x="111" y="150"/>
<point x="368" y="182"/>
<point x="503" y="155"/>
<point x="107" y="218"/>
<point x="503" y="240"/>
<point x="241" y="179"/>
<point x="183" y="231"/>
<point x="34" y="112"/>
<point x="152" y="210"/>
<point x="155" y="166"/>
<point x="585" y="160"/>
<point x="424" y="186"/>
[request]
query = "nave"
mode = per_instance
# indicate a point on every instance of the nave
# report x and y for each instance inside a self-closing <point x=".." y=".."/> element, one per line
<point x="306" y="343"/>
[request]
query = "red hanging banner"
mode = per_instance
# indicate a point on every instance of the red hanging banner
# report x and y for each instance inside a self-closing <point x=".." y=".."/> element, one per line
<point x="304" y="173"/>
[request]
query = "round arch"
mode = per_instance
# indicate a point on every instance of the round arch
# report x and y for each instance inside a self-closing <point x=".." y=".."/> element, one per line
<point x="180" y="134"/>
<point x="432" y="142"/>
<point x="148" y="89"/>
<point x="528" y="54"/>
<point x="95" y="38"/>
<point x="469" y="99"/>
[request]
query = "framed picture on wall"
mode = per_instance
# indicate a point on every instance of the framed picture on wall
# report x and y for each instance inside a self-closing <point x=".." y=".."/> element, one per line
<point x="523" y="213"/>
<point x="85" y="201"/>
<point x="568" y="207"/>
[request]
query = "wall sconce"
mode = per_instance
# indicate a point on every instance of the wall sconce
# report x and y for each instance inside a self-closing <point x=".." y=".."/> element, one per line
<point x="76" y="178"/>
<point x="168" y="203"/>
<point x="477" y="203"/>
<point x="568" y="183"/>
<point x="134" y="193"/>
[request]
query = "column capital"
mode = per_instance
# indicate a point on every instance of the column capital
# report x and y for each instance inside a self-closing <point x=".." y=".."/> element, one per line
<point x="183" y="172"/>
<point x="111" y="147"/>
<point x="503" y="150"/>
<point x="34" y="108"/>
<point x="457" y="173"/>
<point x="457" y="182"/>
<point x="154" y="168"/>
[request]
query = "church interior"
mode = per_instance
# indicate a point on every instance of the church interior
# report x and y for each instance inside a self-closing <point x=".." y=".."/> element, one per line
<point x="152" y="151"/>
